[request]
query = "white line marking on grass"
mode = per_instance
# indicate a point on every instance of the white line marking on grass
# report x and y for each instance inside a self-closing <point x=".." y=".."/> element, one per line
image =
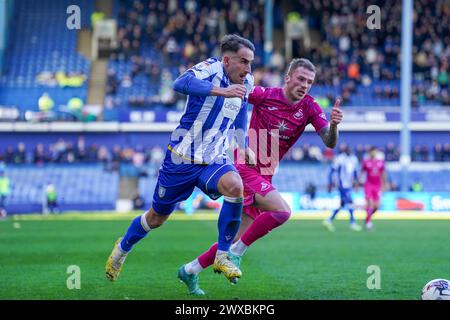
<point x="213" y="216"/>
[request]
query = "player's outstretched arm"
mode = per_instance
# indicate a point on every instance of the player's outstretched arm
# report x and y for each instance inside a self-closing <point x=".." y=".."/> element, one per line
<point x="330" y="134"/>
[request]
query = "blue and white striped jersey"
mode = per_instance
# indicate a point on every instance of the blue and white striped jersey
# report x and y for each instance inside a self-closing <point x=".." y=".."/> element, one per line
<point x="346" y="167"/>
<point x="203" y="134"/>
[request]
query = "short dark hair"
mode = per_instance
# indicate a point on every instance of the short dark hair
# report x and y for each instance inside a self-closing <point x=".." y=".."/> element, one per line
<point x="233" y="43"/>
<point x="301" y="62"/>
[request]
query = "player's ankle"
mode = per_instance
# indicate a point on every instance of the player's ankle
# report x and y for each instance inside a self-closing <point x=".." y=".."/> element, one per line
<point x="221" y="252"/>
<point x="238" y="248"/>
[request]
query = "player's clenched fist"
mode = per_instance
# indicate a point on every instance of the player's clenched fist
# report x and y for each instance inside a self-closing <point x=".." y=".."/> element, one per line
<point x="336" y="113"/>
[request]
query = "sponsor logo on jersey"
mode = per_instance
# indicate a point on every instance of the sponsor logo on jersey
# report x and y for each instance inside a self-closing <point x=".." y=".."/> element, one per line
<point x="231" y="106"/>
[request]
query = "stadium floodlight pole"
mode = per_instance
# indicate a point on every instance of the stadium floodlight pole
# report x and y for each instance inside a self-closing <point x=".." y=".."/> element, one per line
<point x="405" y="96"/>
<point x="268" y="28"/>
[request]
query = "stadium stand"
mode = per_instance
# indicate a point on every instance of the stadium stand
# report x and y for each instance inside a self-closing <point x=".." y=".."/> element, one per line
<point x="80" y="187"/>
<point x="67" y="152"/>
<point x="42" y="51"/>
<point x="365" y="66"/>
<point x="159" y="40"/>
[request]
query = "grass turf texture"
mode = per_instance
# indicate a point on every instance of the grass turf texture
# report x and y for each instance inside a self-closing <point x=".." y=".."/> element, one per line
<point x="300" y="260"/>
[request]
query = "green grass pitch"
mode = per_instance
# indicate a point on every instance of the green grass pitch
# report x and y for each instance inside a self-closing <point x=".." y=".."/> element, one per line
<point x="300" y="260"/>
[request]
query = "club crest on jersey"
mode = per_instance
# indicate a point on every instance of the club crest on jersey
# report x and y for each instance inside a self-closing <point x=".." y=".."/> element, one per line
<point x="298" y="115"/>
<point x="161" y="192"/>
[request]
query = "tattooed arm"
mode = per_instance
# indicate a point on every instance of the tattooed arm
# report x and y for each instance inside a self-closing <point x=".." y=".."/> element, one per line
<point x="330" y="134"/>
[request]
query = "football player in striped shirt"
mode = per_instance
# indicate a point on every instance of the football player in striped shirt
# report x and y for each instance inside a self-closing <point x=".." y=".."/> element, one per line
<point x="197" y="154"/>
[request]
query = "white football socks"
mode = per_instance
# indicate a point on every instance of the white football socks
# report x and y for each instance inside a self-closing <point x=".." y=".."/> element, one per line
<point x="193" y="267"/>
<point x="238" y="248"/>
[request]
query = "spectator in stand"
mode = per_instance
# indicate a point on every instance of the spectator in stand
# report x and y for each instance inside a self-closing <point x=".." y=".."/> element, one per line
<point x="425" y="153"/>
<point x="66" y="152"/>
<point x="104" y="156"/>
<point x="306" y="154"/>
<point x="39" y="155"/>
<point x="446" y="152"/>
<point x="416" y="154"/>
<point x="111" y="82"/>
<point x="116" y="158"/>
<point x="359" y="152"/>
<point x="127" y="154"/>
<point x="157" y="155"/>
<point x="438" y="153"/>
<point x="391" y="152"/>
<point x="296" y="154"/>
<point x="20" y="156"/>
<point x="9" y="155"/>
<point x="445" y="98"/>
<point x="271" y="78"/>
<point x="92" y="153"/>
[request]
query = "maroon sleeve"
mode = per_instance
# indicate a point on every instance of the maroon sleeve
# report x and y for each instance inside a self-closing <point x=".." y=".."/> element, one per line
<point x="317" y="117"/>
<point x="257" y="95"/>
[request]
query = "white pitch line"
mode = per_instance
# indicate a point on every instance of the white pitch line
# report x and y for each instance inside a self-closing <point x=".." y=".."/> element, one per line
<point x="204" y="216"/>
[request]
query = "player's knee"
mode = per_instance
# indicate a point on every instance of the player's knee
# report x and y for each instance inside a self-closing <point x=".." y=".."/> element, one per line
<point x="281" y="217"/>
<point x="284" y="207"/>
<point x="233" y="187"/>
<point x="155" y="224"/>
<point x="155" y="221"/>
<point x="236" y="190"/>
<point x="281" y="206"/>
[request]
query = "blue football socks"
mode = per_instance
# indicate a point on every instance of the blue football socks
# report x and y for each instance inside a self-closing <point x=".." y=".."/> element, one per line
<point x="229" y="222"/>
<point x="135" y="233"/>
